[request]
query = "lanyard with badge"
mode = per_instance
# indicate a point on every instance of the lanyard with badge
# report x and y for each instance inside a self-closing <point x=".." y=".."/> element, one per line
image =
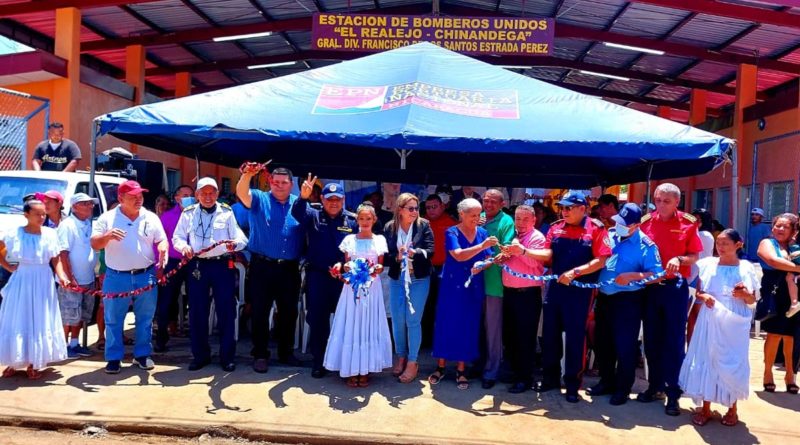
<point x="202" y="230"/>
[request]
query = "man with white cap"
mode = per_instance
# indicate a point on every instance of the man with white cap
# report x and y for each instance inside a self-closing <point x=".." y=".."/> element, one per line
<point x="128" y="234"/>
<point x="79" y="260"/>
<point x="200" y="226"/>
<point x="757" y="231"/>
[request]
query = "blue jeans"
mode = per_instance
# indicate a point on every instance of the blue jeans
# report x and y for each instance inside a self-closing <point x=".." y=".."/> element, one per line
<point x="407" y="327"/>
<point x="144" y="307"/>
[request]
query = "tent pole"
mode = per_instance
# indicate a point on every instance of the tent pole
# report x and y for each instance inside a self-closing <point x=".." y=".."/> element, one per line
<point x="93" y="156"/>
<point x="197" y="166"/>
<point x="404" y="154"/>
<point x="649" y="176"/>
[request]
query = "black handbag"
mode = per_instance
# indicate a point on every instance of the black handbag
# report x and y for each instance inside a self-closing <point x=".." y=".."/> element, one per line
<point x="765" y="307"/>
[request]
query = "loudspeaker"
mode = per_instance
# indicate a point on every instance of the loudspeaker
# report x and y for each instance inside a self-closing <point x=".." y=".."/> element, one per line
<point x="150" y="175"/>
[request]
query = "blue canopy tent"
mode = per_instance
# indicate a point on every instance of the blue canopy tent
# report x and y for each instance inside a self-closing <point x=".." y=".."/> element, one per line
<point x="423" y="114"/>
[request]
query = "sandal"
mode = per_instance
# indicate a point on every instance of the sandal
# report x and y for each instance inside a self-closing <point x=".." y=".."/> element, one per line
<point x="770" y="387"/>
<point x="730" y="419"/>
<point x="9" y="372"/>
<point x="352" y="382"/>
<point x="399" y="366"/>
<point x="363" y="381"/>
<point x="462" y="382"/>
<point x="701" y="418"/>
<point x="33" y="374"/>
<point x="410" y="373"/>
<point x="437" y="376"/>
<point x="791" y="388"/>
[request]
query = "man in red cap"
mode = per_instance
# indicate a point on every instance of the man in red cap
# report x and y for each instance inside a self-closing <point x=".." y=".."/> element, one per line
<point x="53" y="207"/>
<point x="128" y="234"/>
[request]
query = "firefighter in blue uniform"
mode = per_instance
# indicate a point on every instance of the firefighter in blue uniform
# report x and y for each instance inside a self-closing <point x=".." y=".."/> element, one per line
<point x="200" y="226"/>
<point x="325" y="230"/>
<point x="577" y="252"/>
<point x="619" y="306"/>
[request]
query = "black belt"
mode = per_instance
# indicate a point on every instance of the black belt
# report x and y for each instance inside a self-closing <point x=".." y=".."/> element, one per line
<point x="521" y="289"/>
<point x="267" y="259"/>
<point x="213" y="259"/>
<point x="130" y="272"/>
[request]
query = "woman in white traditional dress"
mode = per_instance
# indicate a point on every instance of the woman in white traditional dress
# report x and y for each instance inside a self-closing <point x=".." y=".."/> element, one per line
<point x="31" y="334"/>
<point x="359" y="342"/>
<point x="716" y="368"/>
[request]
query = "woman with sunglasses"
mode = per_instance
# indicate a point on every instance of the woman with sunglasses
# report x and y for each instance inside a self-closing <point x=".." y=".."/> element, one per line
<point x="410" y="241"/>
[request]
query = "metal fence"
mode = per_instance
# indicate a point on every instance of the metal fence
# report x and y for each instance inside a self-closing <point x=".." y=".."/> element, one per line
<point x="776" y="178"/>
<point x="23" y="123"/>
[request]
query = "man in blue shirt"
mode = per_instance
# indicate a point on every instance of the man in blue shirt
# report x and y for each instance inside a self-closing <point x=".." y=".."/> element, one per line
<point x="618" y="310"/>
<point x="325" y="230"/>
<point x="757" y="231"/>
<point x="276" y="242"/>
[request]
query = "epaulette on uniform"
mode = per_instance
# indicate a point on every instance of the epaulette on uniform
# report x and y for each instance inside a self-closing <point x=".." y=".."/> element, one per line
<point x="597" y="222"/>
<point x="190" y="208"/>
<point x="558" y="221"/>
<point x="689" y="217"/>
<point x="225" y="206"/>
<point x="647" y="241"/>
<point x="647" y="217"/>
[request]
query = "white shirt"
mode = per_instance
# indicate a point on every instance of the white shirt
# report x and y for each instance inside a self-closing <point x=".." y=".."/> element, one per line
<point x="707" y="239"/>
<point x="200" y="229"/>
<point x="73" y="237"/>
<point x="136" y="250"/>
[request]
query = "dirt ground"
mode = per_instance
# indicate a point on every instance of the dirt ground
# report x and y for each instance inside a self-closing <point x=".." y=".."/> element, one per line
<point x="26" y="436"/>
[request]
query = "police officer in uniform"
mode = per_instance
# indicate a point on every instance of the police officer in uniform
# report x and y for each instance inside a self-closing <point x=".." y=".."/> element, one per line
<point x="618" y="310"/>
<point x="577" y="252"/>
<point x="200" y="226"/>
<point x="325" y="229"/>
<point x="675" y="234"/>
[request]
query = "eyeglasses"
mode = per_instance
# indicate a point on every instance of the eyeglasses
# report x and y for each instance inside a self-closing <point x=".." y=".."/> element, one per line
<point x="567" y="208"/>
<point x="412" y="209"/>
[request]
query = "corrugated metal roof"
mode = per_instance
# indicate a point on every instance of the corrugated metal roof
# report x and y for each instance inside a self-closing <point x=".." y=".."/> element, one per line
<point x="634" y="18"/>
<point x="229" y="12"/>
<point x="647" y="20"/>
<point x="669" y="92"/>
<point x="116" y="22"/>
<point x="589" y="14"/>
<point x="530" y="8"/>
<point x="709" y="31"/>
<point x="170" y="15"/>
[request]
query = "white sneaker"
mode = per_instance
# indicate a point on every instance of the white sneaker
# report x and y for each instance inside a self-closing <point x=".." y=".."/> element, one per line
<point x="793" y="309"/>
<point x="144" y="363"/>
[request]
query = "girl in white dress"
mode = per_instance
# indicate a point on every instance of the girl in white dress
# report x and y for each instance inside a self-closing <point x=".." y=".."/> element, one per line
<point x="359" y="342"/>
<point x="716" y="368"/>
<point x="31" y="334"/>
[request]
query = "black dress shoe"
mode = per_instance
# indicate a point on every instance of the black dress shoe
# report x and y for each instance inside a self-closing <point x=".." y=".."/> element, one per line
<point x="544" y="386"/>
<point x="650" y="395"/>
<point x="573" y="397"/>
<point x="290" y="361"/>
<point x="229" y="367"/>
<point x="519" y="387"/>
<point x="319" y="373"/>
<point x="260" y="365"/>
<point x="618" y="399"/>
<point x="195" y="365"/>
<point x="487" y="383"/>
<point x="600" y="389"/>
<point x="672" y="408"/>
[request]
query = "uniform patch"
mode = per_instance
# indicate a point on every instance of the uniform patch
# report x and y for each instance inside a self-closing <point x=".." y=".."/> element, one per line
<point x="691" y="218"/>
<point x="647" y="217"/>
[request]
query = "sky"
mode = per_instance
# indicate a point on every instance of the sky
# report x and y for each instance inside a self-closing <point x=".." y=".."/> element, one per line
<point x="8" y="46"/>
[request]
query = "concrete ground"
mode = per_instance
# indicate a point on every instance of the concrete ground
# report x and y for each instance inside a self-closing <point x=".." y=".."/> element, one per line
<point x="287" y="405"/>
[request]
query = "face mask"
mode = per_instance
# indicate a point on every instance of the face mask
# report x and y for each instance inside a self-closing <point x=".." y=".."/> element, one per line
<point x="622" y="231"/>
<point x="187" y="201"/>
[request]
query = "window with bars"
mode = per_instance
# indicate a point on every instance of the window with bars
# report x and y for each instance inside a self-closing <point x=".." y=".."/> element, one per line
<point x="779" y="198"/>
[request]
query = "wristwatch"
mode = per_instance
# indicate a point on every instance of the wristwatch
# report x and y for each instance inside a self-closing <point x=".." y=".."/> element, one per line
<point x="576" y="272"/>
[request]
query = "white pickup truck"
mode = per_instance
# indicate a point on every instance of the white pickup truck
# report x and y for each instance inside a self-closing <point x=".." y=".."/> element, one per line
<point x="15" y="184"/>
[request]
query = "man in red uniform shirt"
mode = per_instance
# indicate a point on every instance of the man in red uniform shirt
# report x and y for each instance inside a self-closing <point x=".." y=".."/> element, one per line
<point x="675" y="234"/>
<point x="576" y="249"/>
